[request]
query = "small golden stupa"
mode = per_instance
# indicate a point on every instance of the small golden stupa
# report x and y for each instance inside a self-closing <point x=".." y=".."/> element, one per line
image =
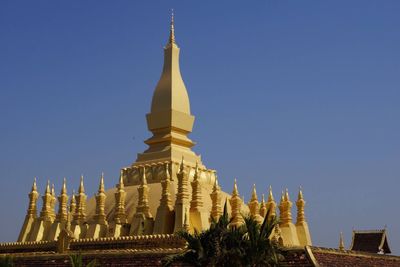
<point x="167" y="189"/>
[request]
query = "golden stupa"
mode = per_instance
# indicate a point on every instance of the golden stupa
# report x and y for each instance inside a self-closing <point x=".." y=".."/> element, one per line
<point x="167" y="189"/>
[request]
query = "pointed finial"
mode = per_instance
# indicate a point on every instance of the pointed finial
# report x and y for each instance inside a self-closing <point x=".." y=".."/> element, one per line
<point x="81" y="189"/>
<point x="341" y="242"/>
<point x="282" y="196"/>
<point x="64" y="187"/>
<point x="262" y="199"/>
<point x="121" y="180"/>
<point x="47" y="188"/>
<point x="254" y="193"/>
<point x="172" y="29"/>
<point x="270" y="195"/>
<point x="34" y="186"/>
<point x="300" y="195"/>
<point x="73" y="200"/>
<point x="287" y="195"/>
<point x="53" y="192"/>
<point x="235" y="189"/>
<point x="101" y="185"/>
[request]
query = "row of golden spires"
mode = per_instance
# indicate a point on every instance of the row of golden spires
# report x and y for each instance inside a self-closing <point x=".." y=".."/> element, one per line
<point x="77" y="206"/>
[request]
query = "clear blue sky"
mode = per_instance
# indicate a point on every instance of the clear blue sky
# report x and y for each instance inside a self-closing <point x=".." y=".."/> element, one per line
<point x="285" y="93"/>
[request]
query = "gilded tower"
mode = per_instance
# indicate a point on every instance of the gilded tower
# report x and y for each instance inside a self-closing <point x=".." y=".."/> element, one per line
<point x="167" y="189"/>
<point x="170" y="121"/>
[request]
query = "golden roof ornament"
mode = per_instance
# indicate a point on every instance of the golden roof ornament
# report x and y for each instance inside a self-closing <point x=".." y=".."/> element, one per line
<point x="100" y="216"/>
<point x="197" y="201"/>
<point x="254" y="206"/>
<point x="81" y="189"/>
<point x="64" y="186"/>
<point x="271" y="204"/>
<point x="300" y="195"/>
<point x="235" y="191"/>
<point x="216" y="208"/>
<point x="165" y="187"/>
<point x="34" y="186"/>
<point x="46" y="214"/>
<point x="101" y="185"/>
<point x="300" y="203"/>
<point x="33" y="196"/>
<point x="236" y="204"/>
<point x="263" y="206"/>
<point x="62" y="215"/>
<point x="48" y="190"/>
<point x="119" y="214"/>
<point x="282" y="197"/>
<point x="287" y="198"/>
<point x="80" y="214"/>
<point x="270" y="195"/>
<point x="72" y="204"/>
<point x="341" y="242"/>
<point x="171" y="39"/>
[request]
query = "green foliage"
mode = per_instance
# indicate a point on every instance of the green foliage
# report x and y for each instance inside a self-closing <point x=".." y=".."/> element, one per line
<point x="221" y="245"/>
<point x="77" y="261"/>
<point x="6" y="261"/>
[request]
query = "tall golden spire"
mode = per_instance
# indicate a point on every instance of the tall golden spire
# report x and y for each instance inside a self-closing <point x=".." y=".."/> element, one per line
<point x="216" y="208"/>
<point x="81" y="188"/>
<point x="285" y="209"/>
<point x="46" y="214"/>
<point x="254" y="206"/>
<point x="33" y="196"/>
<point x="119" y="214"/>
<point x="72" y="204"/>
<point x="300" y="203"/>
<point x="64" y="186"/>
<point x="270" y="195"/>
<point x="236" y="204"/>
<point x="164" y="221"/>
<point x="263" y="206"/>
<point x="80" y="215"/>
<point x="100" y="216"/>
<point x="182" y="196"/>
<point x="62" y="215"/>
<point x="143" y="198"/>
<point x="142" y="222"/>
<point x="182" y="201"/>
<point x="235" y="190"/>
<point x="165" y="194"/>
<point x="197" y="201"/>
<point x="101" y="185"/>
<point x="53" y="201"/>
<point x="170" y="119"/>
<point x="31" y="214"/>
<point x="34" y="186"/>
<point x="72" y="207"/>
<point x="271" y="204"/>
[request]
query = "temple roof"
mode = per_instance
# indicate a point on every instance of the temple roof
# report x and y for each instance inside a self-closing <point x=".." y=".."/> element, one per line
<point x="134" y="251"/>
<point x="370" y="241"/>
